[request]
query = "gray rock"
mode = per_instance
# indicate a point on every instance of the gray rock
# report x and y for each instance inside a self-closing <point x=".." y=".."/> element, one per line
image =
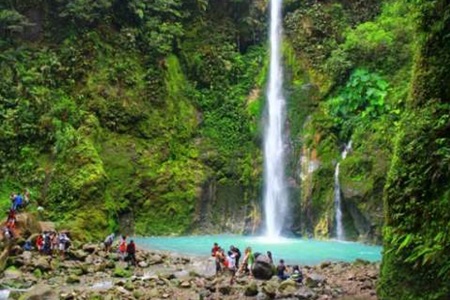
<point x="225" y="289"/>
<point x="263" y="296"/>
<point x="91" y="248"/>
<point x="314" y="280"/>
<point x="12" y="273"/>
<point x="42" y="264"/>
<point x="72" y="278"/>
<point x="143" y="264"/>
<point x="262" y="268"/>
<point x="89" y="259"/>
<point x="155" y="259"/>
<point x="287" y="286"/>
<point x="185" y="284"/>
<point x="39" y="292"/>
<point x="304" y="293"/>
<point x="269" y="289"/>
<point x="153" y="293"/>
<point x="79" y="254"/>
<point x="183" y="275"/>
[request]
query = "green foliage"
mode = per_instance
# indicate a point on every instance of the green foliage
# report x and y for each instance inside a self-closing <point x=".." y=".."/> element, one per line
<point x="315" y="30"/>
<point x="417" y="189"/>
<point x="417" y="211"/>
<point x="84" y="12"/>
<point x="11" y="22"/>
<point x="360" y="101"/>
<point x="384" y="44"/>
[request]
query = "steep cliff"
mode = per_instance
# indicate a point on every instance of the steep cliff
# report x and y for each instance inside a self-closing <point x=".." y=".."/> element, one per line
<point x="416" y="241"/>
<point x="125" y="111"/>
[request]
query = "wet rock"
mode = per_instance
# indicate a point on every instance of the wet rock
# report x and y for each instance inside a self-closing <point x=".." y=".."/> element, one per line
<point x="251" y="289"/>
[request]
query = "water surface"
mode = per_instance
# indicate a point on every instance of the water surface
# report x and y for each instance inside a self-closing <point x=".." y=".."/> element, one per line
<point x="293" y="251"/>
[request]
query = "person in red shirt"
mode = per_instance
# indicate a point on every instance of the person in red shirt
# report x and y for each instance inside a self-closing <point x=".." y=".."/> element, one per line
<point x="123" y="247"/>
<point x="214" y="249"/>
<point x="39" y="242"/>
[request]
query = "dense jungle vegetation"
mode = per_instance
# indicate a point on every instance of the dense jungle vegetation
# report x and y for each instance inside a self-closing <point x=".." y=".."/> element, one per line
<point x="145" y="115"/>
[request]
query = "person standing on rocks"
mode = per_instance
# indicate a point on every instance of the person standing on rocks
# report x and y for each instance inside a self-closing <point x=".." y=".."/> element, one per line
<point x="215" y="249"/>
<point x="247" y="264"/>
<point x="215" y="252"/>
<point x="63" y="244"/>
<point x="18" y="202"/>
<point x="108" y="242"/>
<point x="11" y="221"/>
<point x="26" y="197"/>
<point x="131" y="251"/>
<point x="231" y="258"/>
<point x="123" y="247"/>
<point x="269" y="255"/>
<point x="39" y="243"/>
<point x="237" y="254"/>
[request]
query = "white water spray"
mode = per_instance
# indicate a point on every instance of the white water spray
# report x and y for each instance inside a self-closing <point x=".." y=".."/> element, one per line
<point x="340" y="234"/>
<point x="275" y="197"/>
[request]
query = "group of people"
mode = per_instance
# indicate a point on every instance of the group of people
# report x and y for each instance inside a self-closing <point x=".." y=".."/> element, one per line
<point x="230" y="261"/>
<point x="51" y="242"/>
<point x="283" y="272"/>
<point x="126" y="251"/>
<point x="18" y="202"/>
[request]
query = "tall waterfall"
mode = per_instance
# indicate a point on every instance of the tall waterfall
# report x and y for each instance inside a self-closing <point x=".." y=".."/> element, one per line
<point x="275" y="194"/>
<point x="340" y="234"/>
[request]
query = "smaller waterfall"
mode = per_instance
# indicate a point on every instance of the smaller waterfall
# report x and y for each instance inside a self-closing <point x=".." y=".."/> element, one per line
<point x="340" y="234"/>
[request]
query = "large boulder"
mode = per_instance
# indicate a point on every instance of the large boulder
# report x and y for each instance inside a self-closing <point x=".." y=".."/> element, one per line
<point x="262" y="268"/>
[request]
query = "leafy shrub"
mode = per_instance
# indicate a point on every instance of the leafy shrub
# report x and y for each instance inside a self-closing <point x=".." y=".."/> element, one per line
<point x="360" y="100"/>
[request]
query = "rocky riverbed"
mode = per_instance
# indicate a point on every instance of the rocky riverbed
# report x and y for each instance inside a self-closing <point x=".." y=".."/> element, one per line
<point x="88" y="272"/>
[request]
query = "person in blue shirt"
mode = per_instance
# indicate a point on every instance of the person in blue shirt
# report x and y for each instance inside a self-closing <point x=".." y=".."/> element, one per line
<point x="18" y="202"/>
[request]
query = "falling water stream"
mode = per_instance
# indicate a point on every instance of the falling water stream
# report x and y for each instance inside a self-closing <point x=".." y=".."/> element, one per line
<point x="275" y="194"/>
<point x="340" y="234"/>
